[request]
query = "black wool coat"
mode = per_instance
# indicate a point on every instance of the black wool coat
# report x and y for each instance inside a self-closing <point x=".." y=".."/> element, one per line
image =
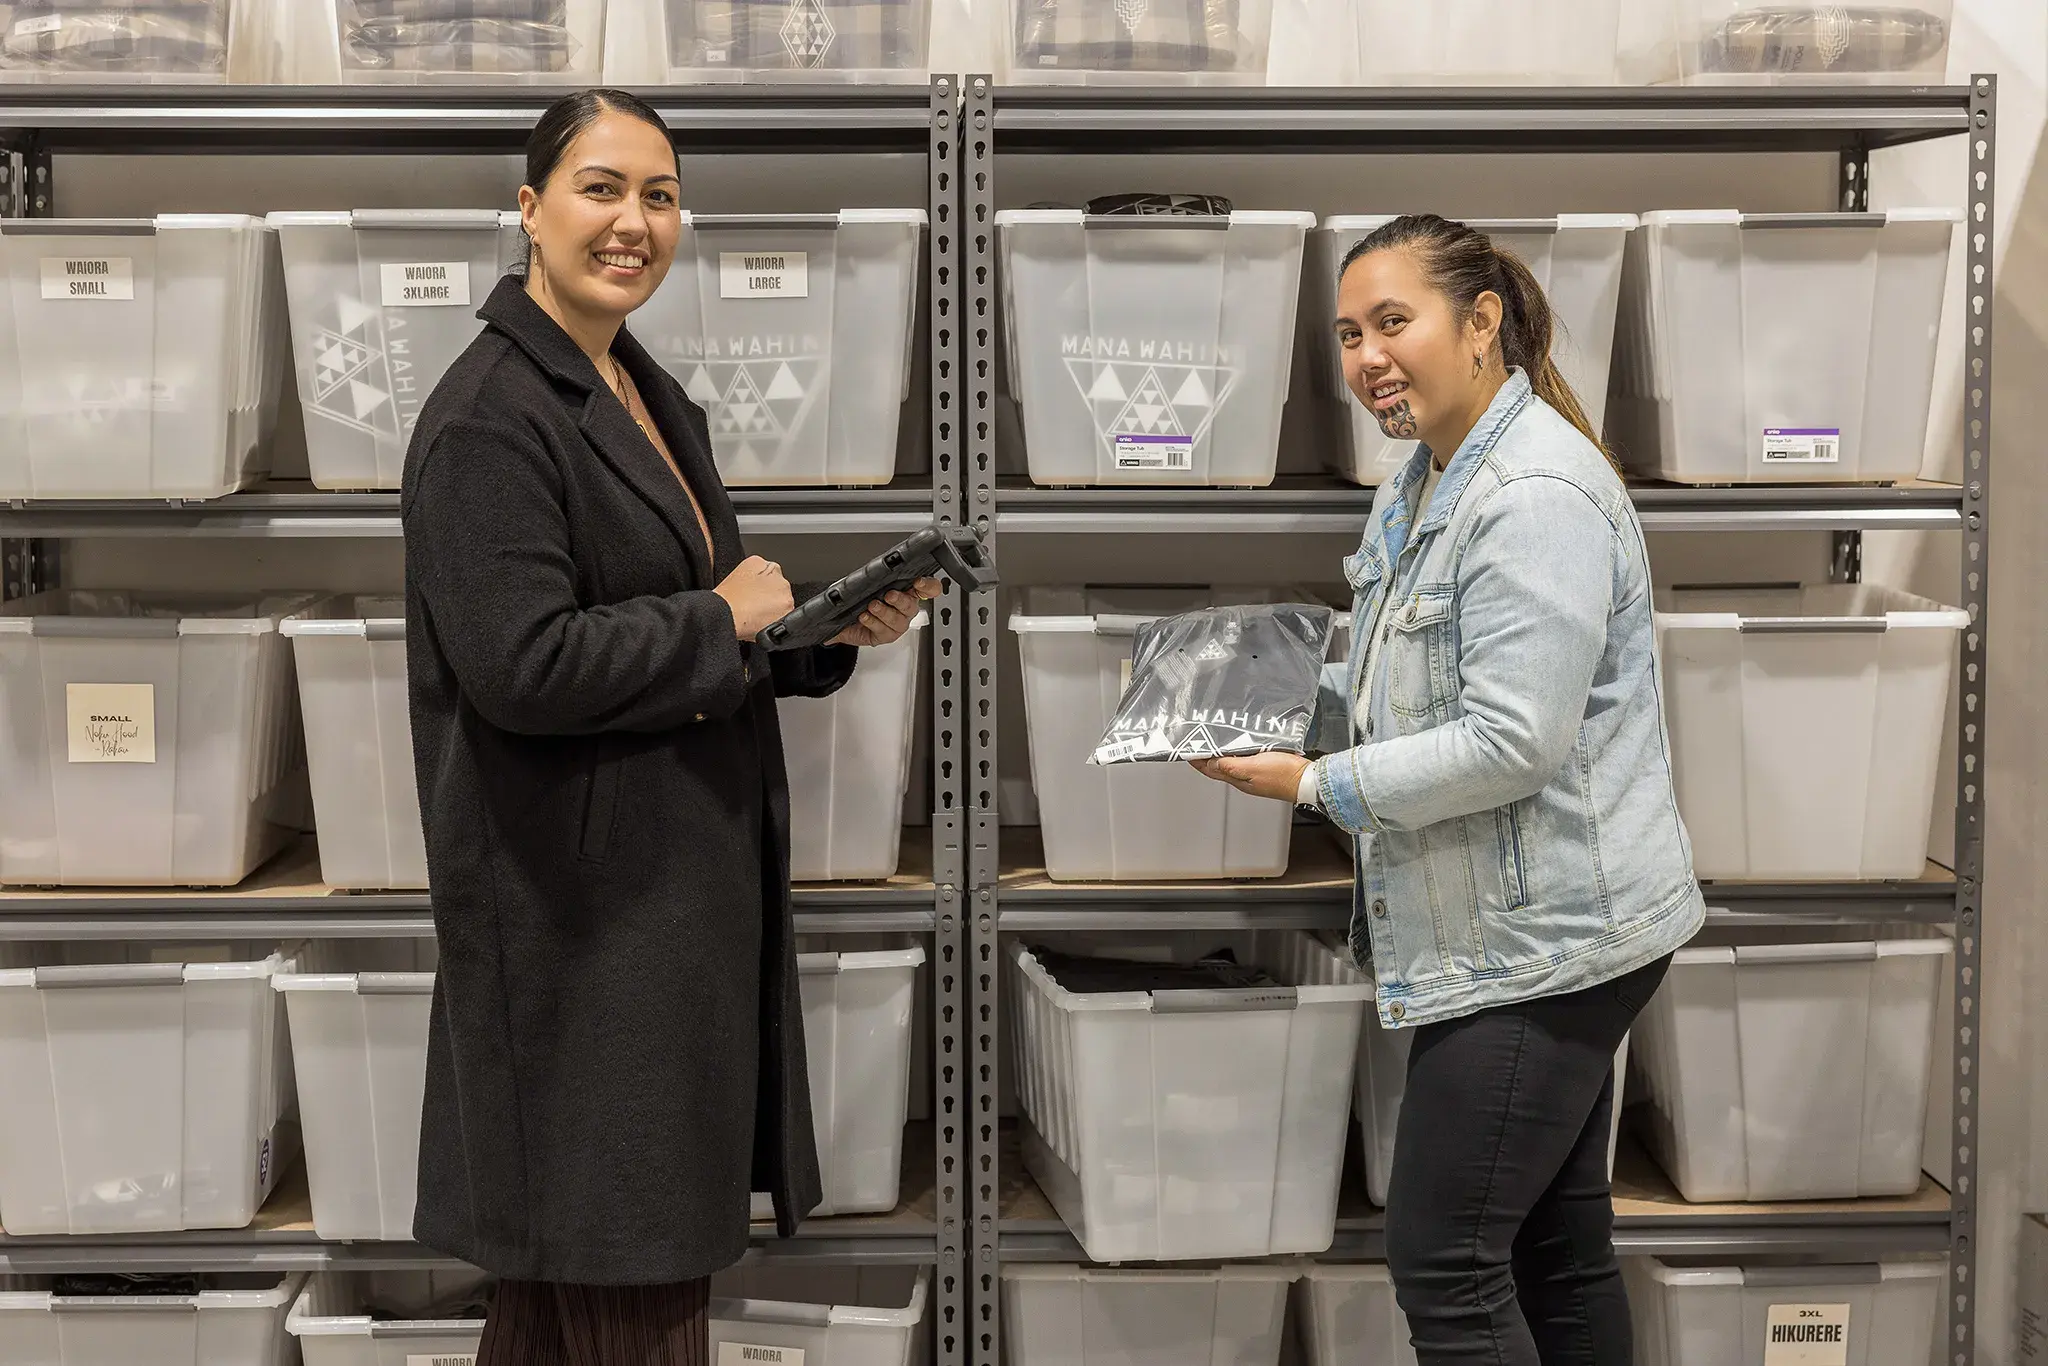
<point x="616" y="1056"/>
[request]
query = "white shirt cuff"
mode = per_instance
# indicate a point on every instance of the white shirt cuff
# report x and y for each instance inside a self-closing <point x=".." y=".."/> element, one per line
<point x="1310" y="792"/>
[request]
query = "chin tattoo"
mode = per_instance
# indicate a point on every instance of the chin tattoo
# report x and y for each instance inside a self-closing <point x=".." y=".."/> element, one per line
<point x="1398" y="421"/>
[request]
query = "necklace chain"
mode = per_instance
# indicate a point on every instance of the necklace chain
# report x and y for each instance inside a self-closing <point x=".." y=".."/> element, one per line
<point x="619" y="387"/>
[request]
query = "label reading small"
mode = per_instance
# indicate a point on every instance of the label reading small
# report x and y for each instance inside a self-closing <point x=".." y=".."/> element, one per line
<point x="88" y="277"/>
<point x="764" y="275"/>
<point x="1135" y="452"/>
<point x="426" y="284"/>
<point x="739" y="1354"/>
<point x="442" y="1359"/>
<point x="29" y="28"/>
<point x="111" y="723"/>
<point x="1807" y="1335"/>
<point x="1802" y="445"/>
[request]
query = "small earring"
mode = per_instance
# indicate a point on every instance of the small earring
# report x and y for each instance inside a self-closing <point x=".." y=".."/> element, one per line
<point x="1478" y="364"/>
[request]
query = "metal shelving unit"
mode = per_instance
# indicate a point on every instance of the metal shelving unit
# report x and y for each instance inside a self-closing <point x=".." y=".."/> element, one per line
<point x="1011" y="1219"/>
<point x="40" y="124"/>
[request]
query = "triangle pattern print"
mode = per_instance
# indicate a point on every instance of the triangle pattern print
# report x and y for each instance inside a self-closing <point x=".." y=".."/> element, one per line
<point x="342" y="359"/>
<point x="807" y="34"/>
<point x="756" y="407"/>
<point x="1151" y="399"/>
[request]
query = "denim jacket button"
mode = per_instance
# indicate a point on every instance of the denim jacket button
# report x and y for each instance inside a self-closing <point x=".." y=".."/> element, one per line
<point x="1379" y="908"/>
<point x="1397" y="1010"/>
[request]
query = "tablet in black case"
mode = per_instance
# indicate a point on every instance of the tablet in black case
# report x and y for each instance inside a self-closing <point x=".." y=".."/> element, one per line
<point x="955" y="552"/>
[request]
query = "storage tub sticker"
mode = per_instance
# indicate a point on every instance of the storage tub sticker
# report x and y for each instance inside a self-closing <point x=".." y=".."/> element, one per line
<point x="89" y="278"/>
<point x="1802" y="445"/>
<point x="425" y="284"/>
<point x="362" y="374"/>
<point x="757" y="391"/>
<point x="111" y="723"/>
<point x="1152" y="400"/>
<point x="1807" y="1335"/>
<point x="764" y="275"/>
<point x="740" y="1354"/>
<point x="442" y="1359"/>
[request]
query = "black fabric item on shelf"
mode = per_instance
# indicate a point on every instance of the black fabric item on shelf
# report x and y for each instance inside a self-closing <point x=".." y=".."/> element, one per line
<point x="110" y="39"/>
<point x="505" y="47"/>
<point x="1218" y="971"/>
<point x="796" y="35"/>
<point x="467" y="1304"/>
<point x="110" y="1284"/>
<point x="1220" y="681"/>
<point x="555" y="12"/>
<point x="1810" y="39"/>
<point x="1153" y="205"/>
<point x="1128" y="35"/>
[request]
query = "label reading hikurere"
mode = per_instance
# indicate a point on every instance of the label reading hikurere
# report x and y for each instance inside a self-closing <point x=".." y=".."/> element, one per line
<point x="1807" y="1335"/>
<point x="88" y="277"/>
<point x="739" y="1354"/>
<point x="764" y="275"/>
<point x="426" y="284"/>
<point x="1136" y="452"/>
<point x="443" y="1359"/>
<point x="111" y="723"/>
<point x="1802" y="445"/>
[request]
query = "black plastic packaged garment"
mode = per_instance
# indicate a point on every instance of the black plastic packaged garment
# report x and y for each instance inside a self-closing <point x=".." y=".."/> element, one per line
<point x="1223" y="680"/>
<point x="1218" y="971"/>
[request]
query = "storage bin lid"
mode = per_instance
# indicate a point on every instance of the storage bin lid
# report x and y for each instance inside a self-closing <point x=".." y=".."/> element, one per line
<point x="791" y="222"/>
<point x="126" y="227"/>
<point x="1239" y="218"/>
<point x="1767" y="1276"/>
<point x="312" y="1317"/>
<point x="409" y="220"/>
<point x="245" y="1292"/>
<point x="1661" y="218"/>
<point x="356" y="983"/>
<point x="378" y="618"/>
<point x="1841" y="607"/>
<point x="98" y="615"/>
<point x="823" y="963"/>
<point x="1176" y="1275"/>
<point x="1561" y="222"/>
<point x="806" y="1315"/>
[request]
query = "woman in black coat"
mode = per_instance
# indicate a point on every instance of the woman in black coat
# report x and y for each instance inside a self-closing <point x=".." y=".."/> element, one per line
<point x="617" y="1055"/>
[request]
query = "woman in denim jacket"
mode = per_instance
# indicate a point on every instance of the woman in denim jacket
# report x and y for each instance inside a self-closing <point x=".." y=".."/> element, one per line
<point x="1523" y="876"/>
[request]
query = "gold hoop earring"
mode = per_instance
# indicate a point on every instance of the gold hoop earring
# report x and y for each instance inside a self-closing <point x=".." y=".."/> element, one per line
<point x="1478" y="364"/>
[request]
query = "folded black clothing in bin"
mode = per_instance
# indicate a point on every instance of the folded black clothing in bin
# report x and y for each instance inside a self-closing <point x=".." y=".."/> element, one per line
<point x="109" y="38"/>
<point x="1223" y="680"/>
<point x="797" y="35"/>
<point x="504" y="47"/>
<point x="1218" y="971"/>
<point x="1113" y="35"/>
<point x="1807" y="39"/>
<point x="1151" y="204"/>
<point x="554" y="12"/>
<point x="106" y="1285"/>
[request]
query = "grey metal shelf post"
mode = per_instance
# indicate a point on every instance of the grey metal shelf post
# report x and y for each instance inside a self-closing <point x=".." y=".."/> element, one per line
<point x="1849" y="122"/>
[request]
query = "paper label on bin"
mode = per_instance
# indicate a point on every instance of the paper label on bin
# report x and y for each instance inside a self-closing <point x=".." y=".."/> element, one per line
<point x="1143" y="452"/>
<point x="442" y="1359"/>
<point x="111" y="723"/>
<point x="740" y="1354"/>
<point x="764" y="275"/>
<point x="46" y="23"/>
<point x="426" y="284"/>
<point x="1807" y="1335"/>
<point x="1802" y="445"/>
<point x="88" y="277"/>
<point x="1124" y="684"/>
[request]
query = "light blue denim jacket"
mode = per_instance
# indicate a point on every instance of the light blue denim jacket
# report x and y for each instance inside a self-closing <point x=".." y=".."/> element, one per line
<point x="1508" y="783"/>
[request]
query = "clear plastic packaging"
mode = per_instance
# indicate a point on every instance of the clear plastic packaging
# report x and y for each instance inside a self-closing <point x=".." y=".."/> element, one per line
<point x="1798" y="41"/>
<point x="1139" y="42"/>
<point x="527" y="42"/>
<point x="796" y="40"/>
<point x="91" y="41"/>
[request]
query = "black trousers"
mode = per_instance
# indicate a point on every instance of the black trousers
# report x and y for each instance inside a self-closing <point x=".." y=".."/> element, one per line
<point x="1500" y="1220"/>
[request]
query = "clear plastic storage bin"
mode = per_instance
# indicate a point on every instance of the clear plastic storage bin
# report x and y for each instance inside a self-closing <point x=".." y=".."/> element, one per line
<point x="93" y="42"/>
<point x="1137" y="42"/>
<point x="790" y="40"/>
<point x="857" y="1035"/>
<point x="390" y="1318"/>
<point x="1126" y="822"/>
<point x="232" y="1320"/>
<point x="1575" y="257"/>
<point x="849" y="757"/>
<point x="382" y="303"/>
<point x="352" y="691"/>
<point x="1173" y="1126"/>
<point x="139" y="358"/>
<point x="793" y="333"/>
<point x="144" y="740"/>
<point x="1806" y="726"/>
<point x="453" y="42"/>
<point x="148" y="1087"/>
<point x="1483" y="42"/>
<point x="1788" y="42"/>
<point x="1778" y="348"/>
<point x="1695" y="1313"/>
<point x="1346" y="1316"/>
<point x="1091" y="1316"/>
<point x="1791" y="1071"/>
<point x="1150" y="350"/>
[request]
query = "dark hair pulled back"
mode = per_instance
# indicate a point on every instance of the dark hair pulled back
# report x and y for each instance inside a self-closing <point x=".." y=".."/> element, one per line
<point x="1461" y="263"/>
<point x="565" y="121"/>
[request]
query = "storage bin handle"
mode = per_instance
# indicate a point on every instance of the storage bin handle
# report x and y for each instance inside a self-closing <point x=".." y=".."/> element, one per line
<point x="384" y="628"/>
<point x="421" y="1328"/>
<point x="73" y="227"/>
<point x="1207" y="222"/>
<point x="112" y="975"/>
<point x="1120" y="624"/>
<point x="1785" y="1277"/>
<point x="122" y="1304"/>
<point x="1816" y="625"/>
<point x="424" y="218"/>
<point x="99" y="628"/>
<point x="394" y="983"/>
<point x="1813" y="220"/>
<point x="765" y="222"/>
<point x="1205" y="1001"/>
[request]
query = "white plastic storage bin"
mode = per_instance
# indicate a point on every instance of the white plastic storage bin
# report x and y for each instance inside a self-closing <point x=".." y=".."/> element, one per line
<point x="359" y="1047"/>
<point x="382" y="303"/>
<point x="1117" y="42"/>
<point x="139" y="358"/>
<point x="1187" y="1125"/>
<point x="388" y="1318"/>
<point x="1575" y="257"/>
<point x="352" y="691"/>
<point x="1689" y="1313"/>
<point x="1792" y="1071"/>
<point x="1383" y="1081"/>
<point x="449" y="42"/>
<point x="1088" y="1316"/>
<point x="1806" y="726"/>
<point x="52" y="42"/>
<point x="1800" y="42"/>
<point x="790" y="40"/>
<point x="148" y="1088"/>
<point x="1346" y="1316"/>
<point x="1778" y="348"/>
<point x="144" y="740"/>
<point x="233" y="1320"/>
<point x="857" y="1035"/>
<point x="793" y="333"/>
<point x="1482" y="42"/>
<point x="1150" y="350"/>
<point x="849" y="765"/>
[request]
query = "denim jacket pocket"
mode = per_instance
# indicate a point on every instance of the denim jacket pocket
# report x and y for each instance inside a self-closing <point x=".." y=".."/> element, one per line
<point x="1419" y="647"/>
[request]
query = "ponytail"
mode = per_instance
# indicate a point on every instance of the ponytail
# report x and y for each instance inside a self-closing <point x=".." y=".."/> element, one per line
<point x="1463" y="263"/>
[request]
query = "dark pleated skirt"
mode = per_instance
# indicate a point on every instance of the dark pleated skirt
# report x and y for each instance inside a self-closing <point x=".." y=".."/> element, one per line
<point x="539" y="1323"/>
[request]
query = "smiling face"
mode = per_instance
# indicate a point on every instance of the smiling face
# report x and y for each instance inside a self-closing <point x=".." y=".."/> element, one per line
<point x="605" y="224"/>
<point x="1408" y="357"/>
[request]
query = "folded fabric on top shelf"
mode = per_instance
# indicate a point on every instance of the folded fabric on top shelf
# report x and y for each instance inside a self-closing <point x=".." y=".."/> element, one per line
<point x="112" y="37"/>
<point x="796" y="35"/>
<point x="1128" y="35"/>
<point x="506" y="47"/>
<point x="1810" y="39"/>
